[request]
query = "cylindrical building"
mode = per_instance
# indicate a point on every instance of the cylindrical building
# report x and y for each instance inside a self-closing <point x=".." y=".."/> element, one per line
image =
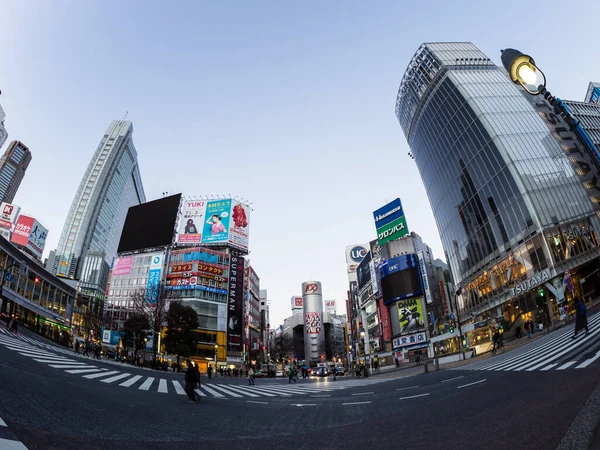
<point x="314" y="331"/>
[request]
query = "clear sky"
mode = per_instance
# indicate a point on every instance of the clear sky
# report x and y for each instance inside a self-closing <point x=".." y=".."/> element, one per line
<point x="287" y="104"/>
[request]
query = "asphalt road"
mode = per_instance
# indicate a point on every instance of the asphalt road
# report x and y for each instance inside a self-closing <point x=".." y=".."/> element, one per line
<point x="49" y="408"/>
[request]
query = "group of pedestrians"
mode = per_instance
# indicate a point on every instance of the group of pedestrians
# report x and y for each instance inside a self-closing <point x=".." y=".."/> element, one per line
<point x="13" y="326"/>
<point x="88" y="348"/>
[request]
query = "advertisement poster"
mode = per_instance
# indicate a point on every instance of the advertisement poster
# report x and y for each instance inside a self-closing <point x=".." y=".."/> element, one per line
<point x="191" y="222"/>
<point x="385" y="320"/>
<point x="216" y="221"/>
<point x="22" y="231"/>
<point x="37" y="238"/>
<point x="238" y="233"/>
<point x="424" y="279"/>
<point x="390" y="222"/>
<point x="8" y="214"/>
<point x="410" y="314"/>
<point x="154" y="275"/>
<point x="235" y="305"/>
<point x="123" y="266"/>
<point x="330" y="306"/>
<point x="312" y="322"/>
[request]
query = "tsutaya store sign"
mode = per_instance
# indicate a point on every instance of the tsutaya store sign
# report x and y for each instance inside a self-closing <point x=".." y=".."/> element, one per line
<point x="530" y="283"/>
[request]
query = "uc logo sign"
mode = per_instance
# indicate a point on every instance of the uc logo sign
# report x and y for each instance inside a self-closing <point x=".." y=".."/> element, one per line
<point x="311" y="287"/>
<point x="358" y="253"/>
<point x="156" y="259"/>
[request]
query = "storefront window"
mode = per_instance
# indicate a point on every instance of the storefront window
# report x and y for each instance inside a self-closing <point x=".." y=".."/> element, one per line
<point x="51" y="293"/>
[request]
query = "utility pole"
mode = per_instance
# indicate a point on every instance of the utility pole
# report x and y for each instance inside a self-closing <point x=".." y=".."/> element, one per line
<point x="461" y="343"/>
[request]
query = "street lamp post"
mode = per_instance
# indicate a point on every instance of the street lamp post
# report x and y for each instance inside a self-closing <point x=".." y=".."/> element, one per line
<point x="216" y="350"/>
<point x="524" y="72"/>
<point x="461" y="339"/>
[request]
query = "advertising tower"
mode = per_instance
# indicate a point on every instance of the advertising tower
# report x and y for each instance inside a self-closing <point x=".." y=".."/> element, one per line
<point x="314" y="331"/>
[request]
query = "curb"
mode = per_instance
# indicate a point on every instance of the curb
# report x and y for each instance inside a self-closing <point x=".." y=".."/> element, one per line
<point x="580" y="434"/>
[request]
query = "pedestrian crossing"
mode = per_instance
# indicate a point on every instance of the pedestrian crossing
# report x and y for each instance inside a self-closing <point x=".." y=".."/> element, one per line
<point x="555" y="351"/>
<point x="86" y="369"/>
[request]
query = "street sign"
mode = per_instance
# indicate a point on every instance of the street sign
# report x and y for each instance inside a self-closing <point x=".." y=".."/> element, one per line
<point x="8" y="277"/>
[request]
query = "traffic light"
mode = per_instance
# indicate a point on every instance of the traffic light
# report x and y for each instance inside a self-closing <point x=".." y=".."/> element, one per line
<point x="451" y="328"/>
<point x="541" y="292"/>
<point x="36" y="280"/>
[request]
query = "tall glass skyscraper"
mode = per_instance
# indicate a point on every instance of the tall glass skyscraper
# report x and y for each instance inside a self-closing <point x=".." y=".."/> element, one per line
<point x="110" y="185"/>
<point x="510" y="209"/>
<point x="13" y="165"/>
<point x="3" y="133"/>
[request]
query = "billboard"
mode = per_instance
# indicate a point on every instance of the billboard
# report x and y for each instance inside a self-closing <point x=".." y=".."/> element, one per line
<point x="8" y="214"/>
<point x="240" y="215"/>
<point x="191" y="222"/>
<point x="296" y="302"/>
<point x="354" y="256"/>
<point x="390" y="222"/>
<point x="363" y="271"/>
<point x="216" y="223"/>
<point x="330" y="306"/>
<point x="150" y="224"/>
<point x="122" y="266"/>
<point x="409" y="340"/>
<point x="154" y="277"/>
<point x="424" y="279"/>
<point x="312" y="322"/>
<point x="400" y="278"/>
<point x="235" y="305"/>
<point x="410" y="314"/>
<point x="595" y="97"/>
<point x="30" y="234"/>
<point x="111" y="337"/>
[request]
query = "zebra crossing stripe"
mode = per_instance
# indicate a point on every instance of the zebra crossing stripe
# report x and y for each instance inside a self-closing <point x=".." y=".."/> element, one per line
<point x="55" y="360"/>
<point x="588" y="361"/>
<point x="162" y="386"/>
<point x="211" y="391"/>
<point x="548" y="367"/>
<point x="199" y="392"/>
<point x="68" y="366"/>
<point x="254" y="393"/>
<point x="226" y="390"/>
<point x="178" y="388"/>
<point x="76" y="371"/>
<point x="131" y="381"/>
<point x="115" y="378"/>
<point x="566" y="365"/>
<point x="146" y="384"/>
<point x="102" y="374"/>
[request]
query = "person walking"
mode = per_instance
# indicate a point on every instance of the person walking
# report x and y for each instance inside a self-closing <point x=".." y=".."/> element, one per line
<point x="209" y="372"/>
<point x="251" y="376"/>
<point x="526" y="325"/>
<point x="192" y="380"/>
<point x="580" y="317"/>
<point x="291" y="374"/>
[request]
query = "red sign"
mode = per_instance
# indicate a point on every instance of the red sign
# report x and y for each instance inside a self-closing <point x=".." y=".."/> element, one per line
<point x="444" y="298"/>
<point x="311" y="287"/>
<point x="181" y="268"/>
<point x="210" y="269"/>
<point x="385" y="321"/>
<point x="298" y="302"/>
<point x="22" y="230"/>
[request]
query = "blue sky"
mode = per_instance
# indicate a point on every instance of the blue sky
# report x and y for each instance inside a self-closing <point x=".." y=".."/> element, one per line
<point x="290" y="105"/>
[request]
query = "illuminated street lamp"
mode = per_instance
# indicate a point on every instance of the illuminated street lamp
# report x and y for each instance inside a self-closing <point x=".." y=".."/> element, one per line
<point x="524" y="72"/>
<point x="216" y="349"/>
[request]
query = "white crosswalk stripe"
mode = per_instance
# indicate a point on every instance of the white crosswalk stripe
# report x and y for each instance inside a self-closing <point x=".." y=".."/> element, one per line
<point x="77" y="365"/>
<point x="555" y="351"/>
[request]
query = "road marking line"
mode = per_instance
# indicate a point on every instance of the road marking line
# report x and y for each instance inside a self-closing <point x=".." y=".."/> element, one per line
<point x="212" y="391"/>
<point x="69" y="366"/>
<point x="162" y="386"/>
<point x="548" y="367"/>
<point x="587" y="362"/>
<point x="3" y="423"/>
<point x="450" y="379"/>
<point x="319" y="396"/>
<point x="356" y="403"/>
<point x="115" y="378"/>
<point x="566" y="365"/>
<point x="130" y="381"/>
<point x="199" y="392"/>
<point x="227" y="391"/>
<point x="84" y="370"/>
<point x="102" y="374"/>
<point x="244" y="392"/>
<point x="254" y="401"/>
<point x="178" y="388"/>
<point x="253" y="392"/>
<point x="471" y="384"/>
<point x="414" y="396"/>
<point x="405" y="388"/>
<point x="303" y="404"/>
<point x="363" y="393"/>
<point x="56" y="360"/>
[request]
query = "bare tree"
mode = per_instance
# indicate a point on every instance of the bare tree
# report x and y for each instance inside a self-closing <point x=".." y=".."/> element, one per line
<point x="282" y="347"/>
<point x="154" y="311"/>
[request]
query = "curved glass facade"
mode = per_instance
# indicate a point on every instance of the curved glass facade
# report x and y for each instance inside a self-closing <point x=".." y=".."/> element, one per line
<point x="494" y="175"/>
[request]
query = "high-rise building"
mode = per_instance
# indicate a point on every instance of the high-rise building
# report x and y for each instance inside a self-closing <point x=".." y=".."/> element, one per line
<point x="3" y="133"/>
<point x="110" y="185"/>
<point x="512" y="213"/>
<point x="593" y="93"/>
<point x="13" y="165"/>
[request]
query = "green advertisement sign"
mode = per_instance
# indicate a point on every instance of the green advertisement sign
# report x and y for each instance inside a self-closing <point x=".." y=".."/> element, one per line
<point x="393" y="230"/>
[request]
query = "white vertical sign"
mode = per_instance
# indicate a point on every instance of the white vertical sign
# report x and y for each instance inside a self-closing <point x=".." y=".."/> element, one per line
<point x="424" y="279"/>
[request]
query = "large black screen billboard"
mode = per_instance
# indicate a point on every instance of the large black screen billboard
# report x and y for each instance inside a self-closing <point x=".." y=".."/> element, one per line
<point x="400" y="278"/>
<point x="363" y="271"/>
<point x="150" y="224"/>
